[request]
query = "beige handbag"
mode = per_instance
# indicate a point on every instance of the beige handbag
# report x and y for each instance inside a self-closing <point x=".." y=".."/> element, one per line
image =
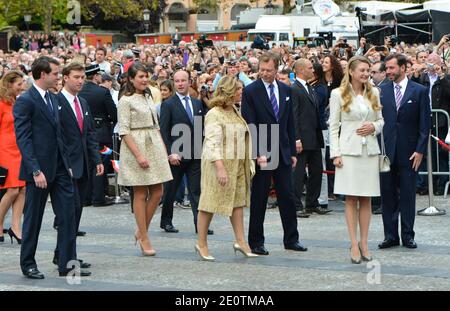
<point x="385" y="163"/>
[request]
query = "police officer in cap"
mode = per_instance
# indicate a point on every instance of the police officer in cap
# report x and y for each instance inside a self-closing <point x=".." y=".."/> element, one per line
<point x="104" y="114"/>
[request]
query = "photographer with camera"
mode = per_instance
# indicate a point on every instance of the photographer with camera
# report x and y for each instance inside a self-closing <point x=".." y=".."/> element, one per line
<point x="205" y="90"/>
<point x="231" y="68"/>
<point x="364" y="46"/>
<point x="443" y="49"/>
<point x="342" y="49"/>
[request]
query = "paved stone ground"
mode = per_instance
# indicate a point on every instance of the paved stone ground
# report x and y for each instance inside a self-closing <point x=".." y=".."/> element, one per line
<point x="118" y="264"/>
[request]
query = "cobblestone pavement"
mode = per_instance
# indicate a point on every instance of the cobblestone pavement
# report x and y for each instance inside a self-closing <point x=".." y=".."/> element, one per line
<point x="117" y="263"/>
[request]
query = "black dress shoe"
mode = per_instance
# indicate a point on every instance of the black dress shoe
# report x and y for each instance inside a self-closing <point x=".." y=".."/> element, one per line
<point x="422" y="191"/>
<point x="303" y="214"/>
<point x="81" y="273"/>
<point x="319" y="210"/>
<point x="210" y="232"/>
<point x="410" y="244"/>
<point x="297" y="246"/>
<point x="388" y="244"/>
<point x="83" y="265"/>
<point x="377" y="211"/>
<point x="106" y="203"/>
<point x="260" y="250"/>
<point x="169" y="228"/>
<point x="34" y="274"/>
<point x="81" y="233"/>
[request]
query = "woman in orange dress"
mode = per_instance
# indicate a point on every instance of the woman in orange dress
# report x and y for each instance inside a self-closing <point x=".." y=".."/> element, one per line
<point x="10" y="157"/>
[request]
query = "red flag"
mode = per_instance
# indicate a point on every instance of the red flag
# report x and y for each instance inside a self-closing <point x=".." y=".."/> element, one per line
<point x="441" y="143"/>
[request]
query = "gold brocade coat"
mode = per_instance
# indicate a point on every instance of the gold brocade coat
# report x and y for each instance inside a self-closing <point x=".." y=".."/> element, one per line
<point x="227" y="138"/>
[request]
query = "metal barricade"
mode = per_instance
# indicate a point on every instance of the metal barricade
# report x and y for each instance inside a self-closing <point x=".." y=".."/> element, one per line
<point x="431" y="210"/>
<point x="118" y="199"/>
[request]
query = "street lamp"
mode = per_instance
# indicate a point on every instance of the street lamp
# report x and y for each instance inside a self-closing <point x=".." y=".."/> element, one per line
<point x="27" y="19"/>
<point x="146" y="16"/>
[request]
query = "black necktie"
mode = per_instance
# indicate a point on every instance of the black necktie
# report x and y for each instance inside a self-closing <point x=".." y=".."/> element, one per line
<point x="49" y="104"/>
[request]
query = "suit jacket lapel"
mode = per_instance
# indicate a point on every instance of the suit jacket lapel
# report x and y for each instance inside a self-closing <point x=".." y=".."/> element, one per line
<point x="406" y="96"/>
<point x="43" y="105"/>
<point x="84" y="111"/>
<point x="310" y="96"/>
<point x="265" y="96"/>
<point x="282" y="99"/>
<point x="391" y="96"/>
<point x="66" y="105"/>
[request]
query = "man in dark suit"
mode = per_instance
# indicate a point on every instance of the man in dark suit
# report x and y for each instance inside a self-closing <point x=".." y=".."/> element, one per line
<point x="181" y="121"/>
<point x="45" y="168"/>
<point x="309" y="141"/>
<point x="79" y="137"/>
<point x="104" y="113"/>
<point x="267" y="108"/>
<point x="406" y="112"/>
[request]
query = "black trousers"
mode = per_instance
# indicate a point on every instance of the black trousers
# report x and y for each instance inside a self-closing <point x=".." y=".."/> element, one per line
<point x="61" y="192"/>
<point x="192" y="170"/>
<point x="80" y="187"/>
<point x="398" y="196"/>
<point x="100" y="183"/>
<point x="312" y="158"/>
<point x="282" y="177"/>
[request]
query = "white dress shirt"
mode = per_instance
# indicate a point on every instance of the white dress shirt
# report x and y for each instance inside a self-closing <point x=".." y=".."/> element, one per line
<point x="70" y="98"/>
<point x="303" y="82"/>
<point x="433" y="79"/>
<point x="181" y="97"/>
<point x="42" y="92"/>
<point x="275" y="90"/>
<point x="403" y="84"/>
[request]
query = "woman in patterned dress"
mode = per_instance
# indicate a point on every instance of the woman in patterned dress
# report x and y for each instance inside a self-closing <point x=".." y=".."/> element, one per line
<point x="143" y="157"/>
<point x="227" y="167"/>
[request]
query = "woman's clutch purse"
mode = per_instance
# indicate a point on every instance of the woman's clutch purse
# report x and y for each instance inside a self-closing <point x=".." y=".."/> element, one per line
<point x="3" y="174"/>
<point x="385" y="163"/>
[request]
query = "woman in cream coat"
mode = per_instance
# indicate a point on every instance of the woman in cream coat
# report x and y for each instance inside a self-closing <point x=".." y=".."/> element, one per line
<point x="227" y="167"/>
<point x="355" y="120"/>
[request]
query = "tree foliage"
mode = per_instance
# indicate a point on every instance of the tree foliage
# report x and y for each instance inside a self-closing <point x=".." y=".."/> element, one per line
<point x="49" y="13"/>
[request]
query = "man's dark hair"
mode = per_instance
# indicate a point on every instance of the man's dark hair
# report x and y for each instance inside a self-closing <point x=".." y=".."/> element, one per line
<point x="402" y="60"/>
<point x="42" y="64"/>
<point x="286" y="71"/>
<point x="382" y="66"/>
<point x="101" y="49"/>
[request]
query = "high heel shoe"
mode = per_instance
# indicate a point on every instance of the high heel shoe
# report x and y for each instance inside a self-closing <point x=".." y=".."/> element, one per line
<point x="136" y="238"/>
<point x="13" y="235"/>
<point x="204" y="258"/>
<point x="356" y="261"/>
<point x="146" y="252"/>
<point x="238" y="248"/>
<point x="364" y="258"/>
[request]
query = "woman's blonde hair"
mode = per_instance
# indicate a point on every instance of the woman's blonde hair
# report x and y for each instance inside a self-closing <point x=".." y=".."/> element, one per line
<point x="225" y="92"/>
<point x="6" y="92"/>
<point x="346" y="86"/>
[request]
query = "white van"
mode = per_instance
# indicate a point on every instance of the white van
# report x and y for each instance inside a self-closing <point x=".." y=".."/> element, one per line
<point x="284" y="28"/>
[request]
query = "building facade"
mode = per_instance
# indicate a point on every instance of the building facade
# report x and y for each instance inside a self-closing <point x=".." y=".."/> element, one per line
<point x="184" y="15"/>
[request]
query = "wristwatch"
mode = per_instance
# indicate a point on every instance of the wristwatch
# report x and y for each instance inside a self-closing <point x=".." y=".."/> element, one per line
<point x="36" y="173"/>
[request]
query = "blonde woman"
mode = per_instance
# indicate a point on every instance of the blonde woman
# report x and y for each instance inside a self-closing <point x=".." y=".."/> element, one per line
<point x="355" y="120"/>
<point x="227" y="167"/>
